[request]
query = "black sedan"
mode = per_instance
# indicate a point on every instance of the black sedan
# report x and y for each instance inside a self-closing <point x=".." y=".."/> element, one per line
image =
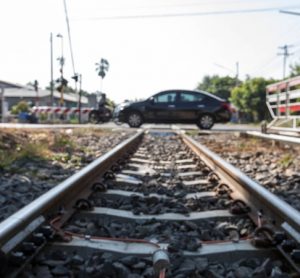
<point x="176" y="106"/>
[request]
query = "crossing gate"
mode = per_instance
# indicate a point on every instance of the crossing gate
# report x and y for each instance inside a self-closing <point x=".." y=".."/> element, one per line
<point x="48" y="113"/>
<point x="283" y="102"/>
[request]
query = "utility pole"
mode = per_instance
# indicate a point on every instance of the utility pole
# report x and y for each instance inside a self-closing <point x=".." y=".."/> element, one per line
<point x="2" y="103"/>
<point x="80" y="94"/>
<point x="51" y="70"/>
<point x="61" y="63"/>
<point x="36" y="88"/>
<point x="285" y="55"/>
<point x="237" y="74"/>
<point x="78" y="77"/>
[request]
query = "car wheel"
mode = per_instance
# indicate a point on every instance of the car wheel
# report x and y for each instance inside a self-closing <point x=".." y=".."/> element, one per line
<point x="93" y="117"/>
<point x="206" y="121"/>
<point x="134" y="119"/>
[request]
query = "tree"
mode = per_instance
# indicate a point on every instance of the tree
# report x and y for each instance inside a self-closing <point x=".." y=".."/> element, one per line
<point x="21" y="106"/>
<point x="295" y="70"/>
<point x="220" y="86"/>
<point x="102" y="68"/>
<point x="250" y="98"/>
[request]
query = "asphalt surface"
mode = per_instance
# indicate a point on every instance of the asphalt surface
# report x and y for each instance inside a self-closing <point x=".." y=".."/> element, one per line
<point x="112" y="125"/>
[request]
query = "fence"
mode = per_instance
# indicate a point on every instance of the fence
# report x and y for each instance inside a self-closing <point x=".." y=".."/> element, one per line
<point x="283" y="102"/>
<point x="48" y="113"/>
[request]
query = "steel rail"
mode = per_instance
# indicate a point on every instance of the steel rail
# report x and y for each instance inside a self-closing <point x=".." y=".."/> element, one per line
<point x="262" y="200"/>
<point x="63" y="191"/>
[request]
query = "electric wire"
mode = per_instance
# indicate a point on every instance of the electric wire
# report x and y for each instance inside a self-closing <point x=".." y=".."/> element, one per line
<point x="69" y="36"/>
<point x="193" y="4"/>
<point x="265" y="66"/>
<point x="187" y="14"/>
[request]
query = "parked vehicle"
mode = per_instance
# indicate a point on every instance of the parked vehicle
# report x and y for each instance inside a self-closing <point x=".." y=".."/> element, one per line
<point x="176" y="106"/>
<point x="100" y="116"/>
<point x="26" y="117"/>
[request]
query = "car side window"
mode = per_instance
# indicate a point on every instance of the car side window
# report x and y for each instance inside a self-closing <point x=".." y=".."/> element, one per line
<point x="190" y="97"/>
<point x="165" y="97"/>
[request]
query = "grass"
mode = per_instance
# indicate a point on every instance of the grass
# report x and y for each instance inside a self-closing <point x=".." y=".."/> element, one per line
<point x="39" y="147"/>
<point x="28" y="151"/>
<point x="286" y="160"/>
<point x="18" y="147"/>
<point x="241" y="146"/>
<point x="247" y="145"/>
<point x="74" y="121"/>
<point x="62" y="142"/>
<point x="192" y="132"/>
<point x="84" y="131"/>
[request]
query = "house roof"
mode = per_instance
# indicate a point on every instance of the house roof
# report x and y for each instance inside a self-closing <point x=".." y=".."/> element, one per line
<point x="27" y="92"/>
<point x="6" y="84"/>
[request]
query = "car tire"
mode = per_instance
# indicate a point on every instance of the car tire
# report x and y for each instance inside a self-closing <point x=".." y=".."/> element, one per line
<point x="94" y="117"/>
<point x="135" y="119"/>
<point x="206" y="121"/>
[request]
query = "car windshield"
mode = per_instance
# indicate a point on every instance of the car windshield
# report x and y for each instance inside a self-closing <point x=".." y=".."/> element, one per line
<point x="210" y="95"/>
<point x="165" y="97"/>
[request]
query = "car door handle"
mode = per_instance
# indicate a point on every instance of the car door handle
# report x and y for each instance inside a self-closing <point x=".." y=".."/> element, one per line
<point x="200" y="105"/>
<point x="171" y="105"/>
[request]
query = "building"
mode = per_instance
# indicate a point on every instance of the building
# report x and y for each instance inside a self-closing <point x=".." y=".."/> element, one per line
<point x="14" y="93"/>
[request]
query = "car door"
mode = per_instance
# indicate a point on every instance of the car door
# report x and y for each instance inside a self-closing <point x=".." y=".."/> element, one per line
<point x="161" y="107"/>
<point x="190" y="106"/>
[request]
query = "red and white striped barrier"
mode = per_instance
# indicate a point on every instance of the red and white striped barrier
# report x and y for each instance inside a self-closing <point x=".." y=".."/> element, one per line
<point x="48" y="112"/>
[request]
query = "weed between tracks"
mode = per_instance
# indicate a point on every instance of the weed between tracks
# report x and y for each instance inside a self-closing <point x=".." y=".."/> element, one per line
<point x="286" y="160"/>
<point x="20" y="146"/>
<point x="22" y="152"/>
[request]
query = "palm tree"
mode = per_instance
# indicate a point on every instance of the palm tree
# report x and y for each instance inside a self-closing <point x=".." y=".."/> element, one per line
<point x="102" y="68"/>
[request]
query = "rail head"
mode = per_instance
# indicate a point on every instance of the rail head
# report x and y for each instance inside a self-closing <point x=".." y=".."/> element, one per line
<point x="286" y="216"/>
<point x="54" y="197"/>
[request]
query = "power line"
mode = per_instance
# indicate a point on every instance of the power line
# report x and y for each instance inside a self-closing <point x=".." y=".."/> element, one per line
<point x="196" y="4"/>
<point x="261" y="69"/>
<point x="185" y="14"/>
<point x="288" y="12"/>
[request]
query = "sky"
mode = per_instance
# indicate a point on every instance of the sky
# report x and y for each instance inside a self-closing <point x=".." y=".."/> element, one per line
<point x="151" y="45"/>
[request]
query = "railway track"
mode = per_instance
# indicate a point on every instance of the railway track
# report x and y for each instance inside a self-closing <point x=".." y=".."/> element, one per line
<point x="157" y="205"/>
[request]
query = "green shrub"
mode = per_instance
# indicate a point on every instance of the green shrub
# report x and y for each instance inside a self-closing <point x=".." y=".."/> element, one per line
<point x="22" y="106"/>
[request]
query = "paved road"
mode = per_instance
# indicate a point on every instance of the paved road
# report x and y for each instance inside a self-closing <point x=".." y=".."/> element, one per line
<point x="111" y="125"/>
<point x="250" y="129"/>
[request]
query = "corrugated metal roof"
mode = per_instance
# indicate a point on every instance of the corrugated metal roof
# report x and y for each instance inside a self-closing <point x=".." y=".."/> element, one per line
<point x="23" y="93"/>
<point x="6" y="84"/>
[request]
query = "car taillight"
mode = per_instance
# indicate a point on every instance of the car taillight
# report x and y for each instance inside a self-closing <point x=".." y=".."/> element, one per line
<point x="227" y="106"/>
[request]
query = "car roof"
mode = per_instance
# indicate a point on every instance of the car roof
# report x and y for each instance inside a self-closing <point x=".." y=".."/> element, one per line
<point x="195" y="91"/>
